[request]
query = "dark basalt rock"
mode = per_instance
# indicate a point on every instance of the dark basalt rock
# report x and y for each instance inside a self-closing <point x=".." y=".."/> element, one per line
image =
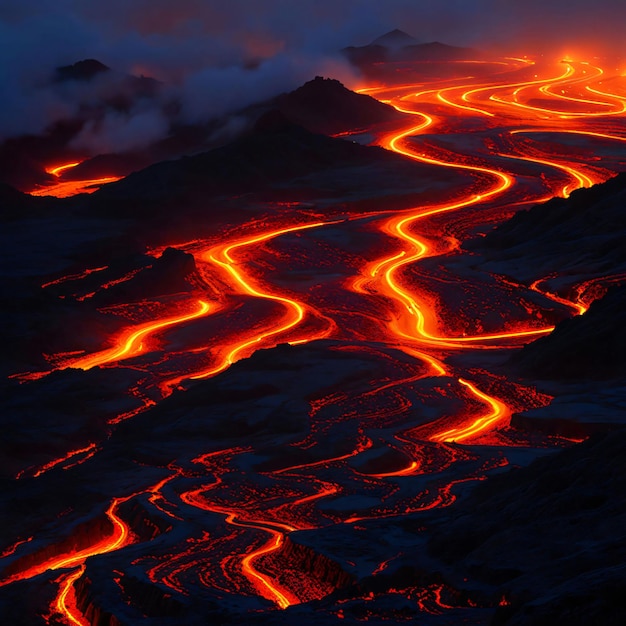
<point x="324" y="105"/>
<point x="590" y="224"/>
<point x="274" y="121"/>
<point x="548" y="537"/>
<point x="274" y="151"/>
<point x="89" y="607"/>
<point x="323" y="575"/>
<point x="10" y="197"/>
<point x="169" y="273"/>
<point x="590" y="346"/>
<point x="14" y="204"/>
<point x="150" y="599"/>
<point x="80" y="537"/>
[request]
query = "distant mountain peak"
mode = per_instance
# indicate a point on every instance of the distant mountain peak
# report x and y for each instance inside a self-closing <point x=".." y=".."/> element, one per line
<point x="81" y="70"/>
<point x="394" y="39"/>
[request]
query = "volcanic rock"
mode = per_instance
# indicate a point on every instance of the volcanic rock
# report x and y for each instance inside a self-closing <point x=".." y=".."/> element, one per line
<point x="548" y="538"/>
<point x="589" y="346"/>
<point x="273" y="152"/>
<point x="324" y="105"/>
<point x="14" y="204"/>
<point x="169" y="273"/>
<point x="581" y="233"/>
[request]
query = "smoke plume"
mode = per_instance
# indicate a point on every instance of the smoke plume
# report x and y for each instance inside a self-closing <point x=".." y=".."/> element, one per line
<point x="214" y="58"/>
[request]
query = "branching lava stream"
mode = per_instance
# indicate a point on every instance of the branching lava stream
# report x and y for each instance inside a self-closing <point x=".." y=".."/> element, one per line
<point x="402" y="411"/>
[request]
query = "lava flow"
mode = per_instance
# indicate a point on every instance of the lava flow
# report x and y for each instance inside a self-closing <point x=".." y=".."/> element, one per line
<point x="328" y="372"/>
<point x="120" y="536"/>
<point x="66" y="188"/>
<point x="65" y="604"/>
<point x="220" y="256"/>
<point x="131" y="343"/>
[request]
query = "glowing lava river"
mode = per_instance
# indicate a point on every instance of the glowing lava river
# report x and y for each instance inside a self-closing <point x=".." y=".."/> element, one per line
<point x="320" y="380"/>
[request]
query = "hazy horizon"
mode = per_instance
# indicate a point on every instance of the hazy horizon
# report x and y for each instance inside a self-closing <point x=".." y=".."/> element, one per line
<point x="204" y="51"/>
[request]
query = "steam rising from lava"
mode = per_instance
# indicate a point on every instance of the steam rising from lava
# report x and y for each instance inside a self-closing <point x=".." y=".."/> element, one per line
<point x="217" y="56"/>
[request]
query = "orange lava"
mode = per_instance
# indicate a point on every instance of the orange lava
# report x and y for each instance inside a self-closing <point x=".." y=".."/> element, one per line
<point x="131" y="342"/>
<point x="498" y="413"/>
<point x="65" y="602"/>
<point x="66" y="461"/>
<point x="120" y="537"/>
<point x="221" y="257"/>
<point x="530" y="98"/>
<point x="68" y="188"/>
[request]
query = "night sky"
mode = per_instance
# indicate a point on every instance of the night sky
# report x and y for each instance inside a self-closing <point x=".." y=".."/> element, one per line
<point x="204" y="50"/>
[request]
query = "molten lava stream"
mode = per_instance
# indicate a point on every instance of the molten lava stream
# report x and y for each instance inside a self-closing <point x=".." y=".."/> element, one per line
<point x="262" y="583"/>
<point x="580" y="105"/>
<point x="498" y="413"/>
<point x="120" y="537"/>
<point x="470" y="91"/>
<point x="65" y="189"/>
<point x="65" y="602"/>
<point x="220" y="256"/>
<point x="66" y="461"/>
<point x="416" y="324"/>
<point x="250" y="515"/>
<point x="383" y="273"/>
<point x="382" y="277"/>
<point x="578" y="179"/>
<point x="131" y="341"/>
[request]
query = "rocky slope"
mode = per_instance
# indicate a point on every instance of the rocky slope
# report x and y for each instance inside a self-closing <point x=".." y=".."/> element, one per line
<point x="582" y="233"/>
<point x="590" y="346"/>
<point x="548" y="538"/>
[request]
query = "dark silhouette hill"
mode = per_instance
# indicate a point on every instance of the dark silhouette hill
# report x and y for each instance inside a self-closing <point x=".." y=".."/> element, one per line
<point x="589" y="224"/>
<point x="589" y="346"/>
<point x="24" y="158"/>
<point x="396" y="47"/>
<point x="320" y="105"/>
<point x="324" y="105"/>
<point x="274" y="150"/>
<point x="395" y="38"/>
<point x="548" y="538"/>
<point x="580" y="238"/>
<point x="15" y="205"/>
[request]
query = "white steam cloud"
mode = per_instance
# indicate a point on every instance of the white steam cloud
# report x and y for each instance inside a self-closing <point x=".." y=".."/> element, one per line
<point x="214" y="57"/>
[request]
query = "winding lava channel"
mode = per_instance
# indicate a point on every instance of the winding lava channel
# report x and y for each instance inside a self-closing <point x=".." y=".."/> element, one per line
<point x="506" y="109"/>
